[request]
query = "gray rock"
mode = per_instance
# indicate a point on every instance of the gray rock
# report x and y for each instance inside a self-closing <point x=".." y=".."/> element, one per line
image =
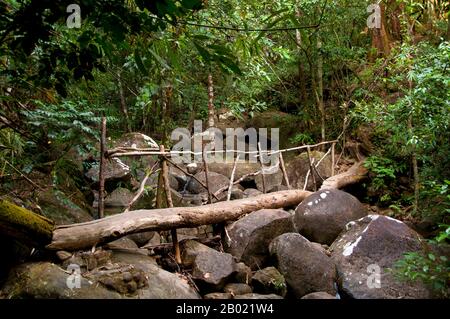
<point x="115" y="170"/>
<point x="44" y="280"/>
<point x="212" y="269"/>
<point x="324" y="214"/>
<point x="248" y="238"/>
<point x="190" y="250"/>
<point x="374" y="243"/>
<point x="237" y="289"/>
<point x="304" y="268"/>
<point x="120" y="197"/>
<point x="216" y="181"/>
<point x="269" y="280"/>
<point x="318" y="295"/>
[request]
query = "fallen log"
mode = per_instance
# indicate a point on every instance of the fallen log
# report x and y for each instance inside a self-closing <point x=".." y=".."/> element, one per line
<point x="24" y="225"/>
<point x="353" y="175"/>
<point x="89" y="234"/>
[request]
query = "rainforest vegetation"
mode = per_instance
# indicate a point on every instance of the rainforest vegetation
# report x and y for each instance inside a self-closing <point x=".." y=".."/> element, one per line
<point x="373" y="75"/>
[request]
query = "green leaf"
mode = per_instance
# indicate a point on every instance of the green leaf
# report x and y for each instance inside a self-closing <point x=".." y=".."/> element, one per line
<point x="160" y="59"/>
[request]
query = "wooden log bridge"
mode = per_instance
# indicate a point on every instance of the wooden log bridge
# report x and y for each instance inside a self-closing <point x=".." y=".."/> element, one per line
<point x="89" y="234"/>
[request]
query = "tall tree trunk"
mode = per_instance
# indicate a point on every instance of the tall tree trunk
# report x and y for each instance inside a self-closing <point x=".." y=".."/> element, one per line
<point x="319" y="92"/>
<point x="301" y="70"/>
<point x="380" y="37"/>
<point x="211" y="112"/>
<point x="123" y="104"/>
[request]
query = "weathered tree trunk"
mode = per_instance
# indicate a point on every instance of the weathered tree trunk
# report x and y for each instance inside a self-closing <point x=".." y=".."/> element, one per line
<point x="380" y="38"/>
<point x="30" y="228"/>
<point x="354" y="175"/>
<point x="86" y="235"/>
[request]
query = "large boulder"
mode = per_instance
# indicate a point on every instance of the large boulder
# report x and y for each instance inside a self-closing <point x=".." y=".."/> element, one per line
<point x="298" y="167"/>
<point x="102" y="275"/>
<point x="115" y="170"/>
<point x="44" y="280"/>
<point x="324" y="214"/>
<point x="248" y="238"/>
<point x="305" y="268"/>
<point x="120" y="197"/>
<point x="369" y="247"/>
<point x="190" y="249"/>
<point x="210" y="268"/>
<point x="216" y="181"/>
